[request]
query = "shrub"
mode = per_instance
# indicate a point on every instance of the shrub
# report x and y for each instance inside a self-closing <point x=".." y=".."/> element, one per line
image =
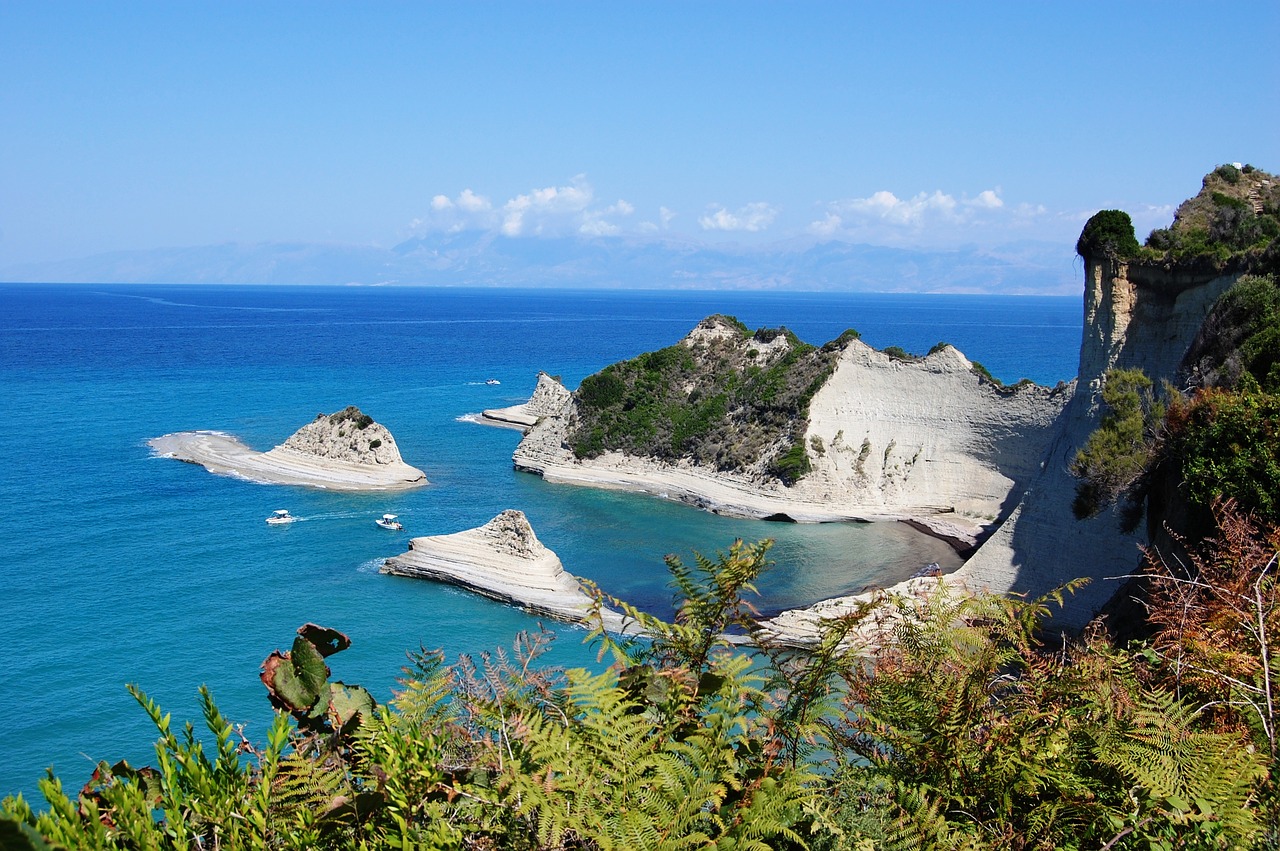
<point x="899" y="353"/>
<point x="1118" y="451"/>
<point x="1108" y="233"/>
<point x="791" y="465"/>
<point x="985" y="374"/>
<point x="1227" y="446"/>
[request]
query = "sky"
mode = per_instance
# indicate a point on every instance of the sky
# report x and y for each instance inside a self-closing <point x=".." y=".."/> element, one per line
<point x="136" y="126"/>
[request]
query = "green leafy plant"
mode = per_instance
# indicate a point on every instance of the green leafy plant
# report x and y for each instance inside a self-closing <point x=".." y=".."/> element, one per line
<point x="1108" y="233"/>
<point x="1122" y="446"/>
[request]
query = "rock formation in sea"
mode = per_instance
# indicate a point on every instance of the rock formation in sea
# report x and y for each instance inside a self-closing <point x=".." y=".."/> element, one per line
<point x="503" y="560"/>
<point x="342" y="451"/>
<point x="548" y="399"/>
<point x="349" y="436"/>
<point x="868" y="434"/>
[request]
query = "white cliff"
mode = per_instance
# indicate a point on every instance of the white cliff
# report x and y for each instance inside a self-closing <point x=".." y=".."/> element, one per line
<point x="1135" y="316"/>
<point x="926" y="439"/>
<point x="503" y="560"/>
<point x="342" y="451"/>
<point x="548" y="399"/>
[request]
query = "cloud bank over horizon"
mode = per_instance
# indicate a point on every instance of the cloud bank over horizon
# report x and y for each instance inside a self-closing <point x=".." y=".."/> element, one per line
<point x="926" y="220"/>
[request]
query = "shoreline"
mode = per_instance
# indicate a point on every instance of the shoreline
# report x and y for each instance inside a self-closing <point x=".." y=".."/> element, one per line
<point x="225" y="455"/>
<point x="722" y="495"/>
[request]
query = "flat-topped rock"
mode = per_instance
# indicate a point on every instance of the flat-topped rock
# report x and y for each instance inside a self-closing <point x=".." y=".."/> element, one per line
<point x="505" y="561"/>
<point x="342" y="451"/>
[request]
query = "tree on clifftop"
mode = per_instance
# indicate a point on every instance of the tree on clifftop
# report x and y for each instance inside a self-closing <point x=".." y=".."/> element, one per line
<point x="1109" y="233"/>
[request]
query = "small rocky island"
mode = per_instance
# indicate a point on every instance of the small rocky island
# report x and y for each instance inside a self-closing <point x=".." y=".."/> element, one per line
<point x="346" y="451"/>
<point x="503" y="560"/>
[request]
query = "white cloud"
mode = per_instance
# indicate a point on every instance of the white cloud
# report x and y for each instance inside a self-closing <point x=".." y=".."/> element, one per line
<point x="884" y="216"/>
<point x="988" y="199"/>
<point x="473" y="203"/>
<point x="829" y="226"/>
<point x="594" y="222"/>
<point x="541" y="211"/>
<point x="752" y="218"/>
<point x="666" y="216"/>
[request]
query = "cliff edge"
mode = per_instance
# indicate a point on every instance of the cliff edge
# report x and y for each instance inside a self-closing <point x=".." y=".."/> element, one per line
<point x="762" y="425"/>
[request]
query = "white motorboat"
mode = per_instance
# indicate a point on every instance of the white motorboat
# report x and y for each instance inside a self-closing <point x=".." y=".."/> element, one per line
<point x="492" y="381"/>
<point x="389" y="521"/>
<point x="280" y="516"/>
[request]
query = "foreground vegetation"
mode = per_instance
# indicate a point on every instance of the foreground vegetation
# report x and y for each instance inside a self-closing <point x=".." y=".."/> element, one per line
<point x="931" y="721"/>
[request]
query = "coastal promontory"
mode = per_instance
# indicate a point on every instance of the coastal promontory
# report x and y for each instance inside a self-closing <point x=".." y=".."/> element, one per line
<point x="503" y="560"/>
<point x="760" y="424"/>
<point x="346" y="450"/>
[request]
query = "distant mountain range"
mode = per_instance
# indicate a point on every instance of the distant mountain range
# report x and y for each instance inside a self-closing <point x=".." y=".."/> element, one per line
<point x="488" y="259"/>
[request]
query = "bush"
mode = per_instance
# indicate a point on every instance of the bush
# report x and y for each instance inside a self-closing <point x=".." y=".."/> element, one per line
<point x="1108" y="233"/>
<point x="791" y="465"/>
<point x="899" y="353"/>
<point x="1227" y="445"/>
<point x="1119" y="450"/>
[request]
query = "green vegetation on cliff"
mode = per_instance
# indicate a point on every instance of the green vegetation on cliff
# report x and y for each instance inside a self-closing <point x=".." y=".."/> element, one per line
<point x="725" y="398"/>
<point x="1235" y="217"/>
<point x="1233" y="222"/>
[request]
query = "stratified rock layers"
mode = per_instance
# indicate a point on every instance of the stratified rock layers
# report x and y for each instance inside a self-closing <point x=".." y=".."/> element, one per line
<point x="343" y="451"/>
<point x="887" y="438"/>
<point x="503" y="560"/>
<point x="548" y="399"/>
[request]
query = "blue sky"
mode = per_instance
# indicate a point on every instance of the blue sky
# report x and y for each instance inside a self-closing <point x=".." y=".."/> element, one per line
<point x="149" y="125"/>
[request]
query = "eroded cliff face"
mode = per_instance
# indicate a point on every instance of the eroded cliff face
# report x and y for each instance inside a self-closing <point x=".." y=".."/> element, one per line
<point x="1142" y="316"/>
<point x="885" y="437"/>
<point x="347" y="435"/>
<point x="1135" y="315"/>
<point x="925" y="436"/>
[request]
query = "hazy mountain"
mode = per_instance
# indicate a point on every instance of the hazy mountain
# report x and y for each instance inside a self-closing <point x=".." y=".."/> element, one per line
<point x="487" y="259"/>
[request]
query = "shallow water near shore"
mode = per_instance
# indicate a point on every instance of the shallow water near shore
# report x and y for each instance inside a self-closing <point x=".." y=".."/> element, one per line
<point x="122" y="567"/>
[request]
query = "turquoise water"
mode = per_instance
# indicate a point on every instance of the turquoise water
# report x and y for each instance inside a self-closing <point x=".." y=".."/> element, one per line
<point x="122" y="567"/>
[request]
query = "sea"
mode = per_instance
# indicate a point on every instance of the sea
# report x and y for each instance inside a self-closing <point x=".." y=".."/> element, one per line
<point x="121" y="567"/>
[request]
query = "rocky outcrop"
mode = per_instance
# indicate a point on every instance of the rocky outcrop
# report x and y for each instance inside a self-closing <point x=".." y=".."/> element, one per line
<point x="343" y="451"/>
<point x="921" y="437"/>
<point x="1135" y="316"/>
<point x="503" y="560"/>
<point x="887" y="438"/>
<point x="549" y="399"/>
<point x="350" y="436"/>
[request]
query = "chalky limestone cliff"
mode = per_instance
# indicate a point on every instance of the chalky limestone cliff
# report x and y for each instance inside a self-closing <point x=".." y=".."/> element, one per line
<point x="783" y="431"/>
<point x="504" y="560"/>
<point x="763" y="426"/>
<point x="346" y="450"/>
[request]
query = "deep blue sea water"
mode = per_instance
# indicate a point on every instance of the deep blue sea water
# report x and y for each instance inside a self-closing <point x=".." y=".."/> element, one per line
<point x="124" y="568"/>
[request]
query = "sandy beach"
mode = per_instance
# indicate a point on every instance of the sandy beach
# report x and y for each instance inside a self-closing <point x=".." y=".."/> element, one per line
<point x="223" y="454"/>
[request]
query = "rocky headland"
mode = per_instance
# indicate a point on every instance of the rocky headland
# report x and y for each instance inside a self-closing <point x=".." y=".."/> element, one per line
<point x="503" y="560"/>
<point x="762" y="425"/>
<point x="346" y="450"/>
